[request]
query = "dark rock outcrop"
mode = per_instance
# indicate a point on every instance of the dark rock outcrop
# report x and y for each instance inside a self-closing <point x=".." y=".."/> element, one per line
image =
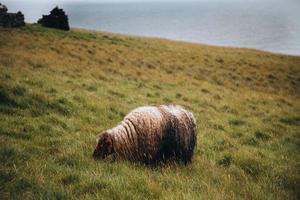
<point x="10" y="19"/>
<point x="57" y="19"/>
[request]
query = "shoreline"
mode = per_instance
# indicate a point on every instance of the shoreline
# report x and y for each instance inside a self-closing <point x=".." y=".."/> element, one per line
<point x="187" y="42"/>
<point x="180" y="41"/>
<point x="207" y="31"/>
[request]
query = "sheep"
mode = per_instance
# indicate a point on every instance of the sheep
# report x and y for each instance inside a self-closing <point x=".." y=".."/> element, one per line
<point x="151" y="135"/>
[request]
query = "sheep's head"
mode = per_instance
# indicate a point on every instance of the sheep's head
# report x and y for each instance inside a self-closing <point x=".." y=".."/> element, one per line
<point x="104" y="146"/>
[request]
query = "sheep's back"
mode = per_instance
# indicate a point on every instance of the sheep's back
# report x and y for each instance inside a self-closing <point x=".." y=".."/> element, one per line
<point x="148" y="123"/>
<point x="155" y="130"/>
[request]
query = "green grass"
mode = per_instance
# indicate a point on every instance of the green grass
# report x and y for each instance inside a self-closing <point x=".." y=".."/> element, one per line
<point x="59" y="89"/>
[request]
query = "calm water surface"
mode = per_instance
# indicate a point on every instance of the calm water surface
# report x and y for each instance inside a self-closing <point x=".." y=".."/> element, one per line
<point x="272" y="25"/>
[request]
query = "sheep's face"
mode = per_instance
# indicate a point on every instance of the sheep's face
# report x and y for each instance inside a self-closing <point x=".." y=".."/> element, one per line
<point x="104" y="146"/>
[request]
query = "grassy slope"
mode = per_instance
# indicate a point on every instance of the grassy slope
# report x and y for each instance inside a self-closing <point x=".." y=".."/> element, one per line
<point x="59" y="89"/>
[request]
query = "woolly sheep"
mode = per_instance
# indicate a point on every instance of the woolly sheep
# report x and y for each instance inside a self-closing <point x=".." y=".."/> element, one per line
<point x="151" y="134"/>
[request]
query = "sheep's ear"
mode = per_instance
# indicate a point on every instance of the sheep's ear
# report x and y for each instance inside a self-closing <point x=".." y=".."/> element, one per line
<point x="109" y="144"/>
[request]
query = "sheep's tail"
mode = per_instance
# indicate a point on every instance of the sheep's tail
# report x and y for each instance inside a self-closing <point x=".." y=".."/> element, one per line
<point x="193" y="136"/>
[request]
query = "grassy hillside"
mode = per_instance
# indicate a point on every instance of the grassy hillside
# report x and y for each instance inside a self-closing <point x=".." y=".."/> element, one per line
<point x="58" y="90"/>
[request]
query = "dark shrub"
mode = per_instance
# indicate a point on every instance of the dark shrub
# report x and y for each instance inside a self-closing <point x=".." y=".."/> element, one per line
<point x="10" y="19"/>
<point x="57" y="19"/>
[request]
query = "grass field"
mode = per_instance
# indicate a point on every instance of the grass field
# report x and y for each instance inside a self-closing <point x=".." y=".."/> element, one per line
<point x="58" y="90"/>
